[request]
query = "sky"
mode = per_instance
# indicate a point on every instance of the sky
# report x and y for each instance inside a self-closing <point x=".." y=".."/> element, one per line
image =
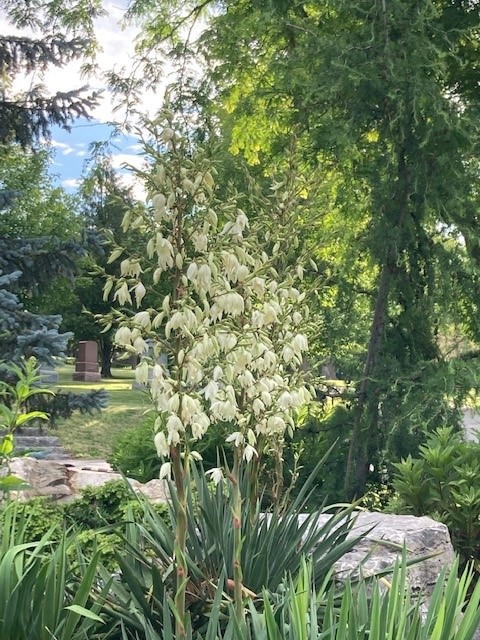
<point x="71" y="149"/>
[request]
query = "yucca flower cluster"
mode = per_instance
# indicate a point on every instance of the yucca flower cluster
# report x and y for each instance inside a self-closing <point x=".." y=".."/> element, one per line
<point x="231" y="326"/>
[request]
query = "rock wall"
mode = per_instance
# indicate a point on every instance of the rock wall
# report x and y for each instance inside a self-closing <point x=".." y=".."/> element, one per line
<point x="64" y="480"/>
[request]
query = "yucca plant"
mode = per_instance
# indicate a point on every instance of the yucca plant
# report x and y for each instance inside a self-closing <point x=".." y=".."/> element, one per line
<point x="272" y="548"/>
<point x="43" y="596"/>
<point x="377" y="609"/>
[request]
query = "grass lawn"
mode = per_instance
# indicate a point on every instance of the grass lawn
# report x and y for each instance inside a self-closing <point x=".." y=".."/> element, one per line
<point x="92" y="436"/>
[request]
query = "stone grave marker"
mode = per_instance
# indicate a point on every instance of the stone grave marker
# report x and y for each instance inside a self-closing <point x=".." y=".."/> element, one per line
<point x="86" y="362"/>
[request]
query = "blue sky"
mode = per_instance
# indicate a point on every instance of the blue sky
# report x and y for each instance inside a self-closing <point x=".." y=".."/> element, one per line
<point x="72" y="149"/>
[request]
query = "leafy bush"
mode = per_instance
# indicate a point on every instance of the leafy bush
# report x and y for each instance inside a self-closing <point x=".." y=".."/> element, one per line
<point x="38" y="516"/>
<point x="135" y="455"/>
<point x="444" y="482"/>
<point x="98" y="506"/>
<point x="96" y="518"/>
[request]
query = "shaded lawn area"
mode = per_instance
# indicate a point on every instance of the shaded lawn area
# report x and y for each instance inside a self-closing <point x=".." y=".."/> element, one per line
<point x="93" y="435"/>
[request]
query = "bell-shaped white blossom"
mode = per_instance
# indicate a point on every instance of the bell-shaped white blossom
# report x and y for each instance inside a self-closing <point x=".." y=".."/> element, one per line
<point x="216" y="475"/>
<point x="161" y="445"/>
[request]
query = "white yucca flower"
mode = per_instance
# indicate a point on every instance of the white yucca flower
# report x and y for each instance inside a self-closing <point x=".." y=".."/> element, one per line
<point x="140" y="345"/>
<point x="210" y="390"/>
<point x="275" y="425"/>
<point x="200" y="242"/>
<point x="161" y="399"/>
<point x="246" y="379"/>
<point x="165" y="471"/>
<point x="233" y="303"/>
<point x="215" y="474"/>
<point x="227" y="341"/>
<point x="174" y="423"/>
<point x="300" y="343"/>
<point x="130" y="268"/>
<point x="122" y="294"/>
<point x="161" y="445"/>
<point x="141" y="373"/>
<point x="258" y="319"/>
<point x="164" y="252"/>
<point x="199" y="425"/>
<point x="249" y="452"/>
<point x="237" y="438"/>
<point x="231" y="265"/>
<point x="142" y="318"/>
<point x="189" y="408"/>
<point x="204" y="278"/>
<point x="270" y="311"/>
<point x="258" y="406"/>
<point x="288" y="354"/>
<point x="192" y="271"/>
<point x="174" y="403"/>
<point x="122" y="336"/>
<point x="242" y="273"/>
<point x="285" y="400"/>
<point x="258" y="286"/>
<point x="140" y="292"/>
<point x="266" y="398"/>
<point x="242" y="220"/>
<point x="297" y="318"/>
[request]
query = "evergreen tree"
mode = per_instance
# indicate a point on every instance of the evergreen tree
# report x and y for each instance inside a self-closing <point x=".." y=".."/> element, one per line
<point x="66" y="34"/>
<point x="29" y="264"/>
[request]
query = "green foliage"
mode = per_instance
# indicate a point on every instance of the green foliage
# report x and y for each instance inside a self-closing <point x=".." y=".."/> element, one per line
<point x="40" y="208"/>
<point x="444" y="482"/>
<point x="320" y="429"/>
<point x="39" y="517"/>
<point x="376" y="609"/>
<point x="270" y="552"/>
<point x="100" y="506"/>
<point x="134" y="453"/>
<point x="43" y="596"/>
<point x="14" y="413"/>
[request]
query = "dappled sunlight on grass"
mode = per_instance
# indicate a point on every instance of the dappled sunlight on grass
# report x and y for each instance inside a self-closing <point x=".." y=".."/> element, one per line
<point x="91" y="436"/>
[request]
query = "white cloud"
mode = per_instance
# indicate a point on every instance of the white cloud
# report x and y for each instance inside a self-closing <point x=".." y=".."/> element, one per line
<point x="71" y="183"/>
<point x="119" y="160"/>
<point x="137" y="187"/>
<point x="65" y="149"/>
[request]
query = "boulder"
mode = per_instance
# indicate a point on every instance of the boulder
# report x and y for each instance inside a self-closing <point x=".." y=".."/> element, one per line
<point x="64" y="480"/>
<point x="386" y="535"/>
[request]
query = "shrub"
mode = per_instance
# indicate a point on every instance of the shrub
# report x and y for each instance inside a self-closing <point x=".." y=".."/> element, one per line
<point x="444" y="482"/>
<point x="134" y="453"/>
<point x="38" y="516"/>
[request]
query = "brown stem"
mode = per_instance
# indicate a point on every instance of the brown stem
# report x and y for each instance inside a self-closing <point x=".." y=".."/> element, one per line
<point x="180" y="476"/>
<point x="237" y="541"/>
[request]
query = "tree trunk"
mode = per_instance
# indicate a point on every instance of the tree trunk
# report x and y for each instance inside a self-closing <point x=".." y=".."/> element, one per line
<point x="106" y="349"/>
<point x="364" y="439"/>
